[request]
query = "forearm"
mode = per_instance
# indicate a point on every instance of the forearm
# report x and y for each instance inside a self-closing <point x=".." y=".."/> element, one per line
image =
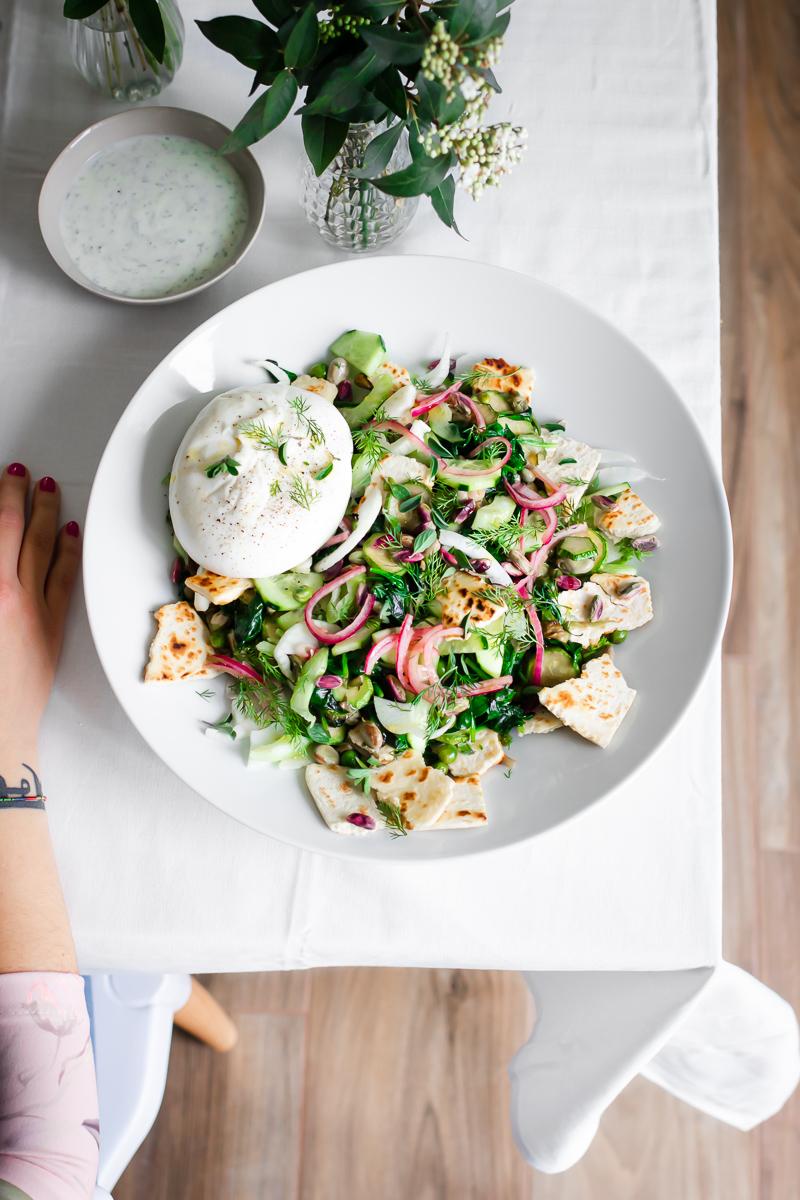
<point x="34" y="927"/>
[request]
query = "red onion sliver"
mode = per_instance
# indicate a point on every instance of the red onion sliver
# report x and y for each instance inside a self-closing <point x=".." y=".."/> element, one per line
<point x="175" y="570"/>
<point x="538" y="633"/>
<point x="403" y="643"/>
<point x="448" y="557"/>
<point x="470" y="404"/>
<point x="331" y="639"/>
<point x="377" y="649"/>
<point x="486" y="686"/>
<point x="399" y="692"/>
<point x="432" y="401"/>
<point x="528" y="499"/>
<point x="464" y="513"/>
<point x="396" y="427"/>
<point x="233" y="667"/>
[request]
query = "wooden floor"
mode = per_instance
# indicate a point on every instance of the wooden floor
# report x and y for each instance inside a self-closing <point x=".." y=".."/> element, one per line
<point x="316" y="1103"/>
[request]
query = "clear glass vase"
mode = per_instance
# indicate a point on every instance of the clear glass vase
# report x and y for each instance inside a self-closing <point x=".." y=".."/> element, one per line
<point x="110" y="55"/>
<point x="352" y="214"/>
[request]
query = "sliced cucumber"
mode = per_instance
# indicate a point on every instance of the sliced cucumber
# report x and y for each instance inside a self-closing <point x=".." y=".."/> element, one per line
<point x="495" y="514"/>
<point x="356" y="693"/>
<point x="364" y="351"/>
<point x="287" y="619"/>
<point x="520" y="426"/>
<point x="379" y="557"/>
<point x="496" y="400"/>
<point x="483" y="479"/>
<point x="490" y="659"/>
<point x="410" y="719"/>
<point x="357" y="640"/>
<point x="282" y="751"/>
<point x="316" y="666"/>
<point x="382" y="388"/>
<point x="340" y="604"/>
<point x="583" y="555"/>
<point x="289" y="590"/>
<point x="442" y="424"/>
<point x="557" y="666"/>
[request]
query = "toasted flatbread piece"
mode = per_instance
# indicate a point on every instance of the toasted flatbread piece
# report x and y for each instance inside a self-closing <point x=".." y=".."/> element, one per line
<point x="594" y="704"/>
<point x="337" y="798"/>
<point x="420" y="792"/>
<point x="630" y="517"/>
<point x="540" y="722"/>
<point x="583" y="468"/>
<point x="488" y="752"/>
<point x="496" y="375"/>
<point x="320" y="387"/>
<point x="399" y="374"/>
<point x="618" y="601"/>
<point x="467" y="806"/>
<point x="467" y="596"/>
<point x="218" y="589"/>
<point x="181" y="648"/>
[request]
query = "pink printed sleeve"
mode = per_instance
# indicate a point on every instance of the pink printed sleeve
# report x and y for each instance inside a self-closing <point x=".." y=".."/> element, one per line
<point x="49" y="1128"/>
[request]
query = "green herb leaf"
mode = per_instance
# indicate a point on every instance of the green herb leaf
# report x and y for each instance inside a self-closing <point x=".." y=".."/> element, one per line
<point x="378" y="152"/>
<point x="395" y="822"/>
<point x="224" y="726"/>
<point x="409" y="504"/>
<point x="324" y="472"/>
<point x="302" y="493"/>
<point x="276" y="11"/>
<point x="303" y="40"/>
<point x="424" y="539"/>
<point x="443" y="201"/>
<point x="78" y="10"/>
<point x="399" y="490"/>
<point x="250" y="42"/>
<point x="225" y="464"/>
<point x="388" y="88"/>
<point x="269" y="110"/>
<point x="399" y="46"/>
<point x="323" y="138"/>
<point x="149" y="24"/>
<point x="401" y="743"/>
<point x="422" y="176"/>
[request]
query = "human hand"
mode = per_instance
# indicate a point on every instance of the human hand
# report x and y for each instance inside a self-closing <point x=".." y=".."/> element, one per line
<point x="38" y="565"/>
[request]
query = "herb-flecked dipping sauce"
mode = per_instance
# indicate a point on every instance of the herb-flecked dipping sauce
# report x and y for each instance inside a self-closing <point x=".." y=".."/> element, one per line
<point x="154" y="215"/>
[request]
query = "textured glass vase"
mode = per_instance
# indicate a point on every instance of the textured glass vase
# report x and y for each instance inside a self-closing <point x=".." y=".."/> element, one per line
<point x="350" y="213"/>
<point x="110" y="55"/>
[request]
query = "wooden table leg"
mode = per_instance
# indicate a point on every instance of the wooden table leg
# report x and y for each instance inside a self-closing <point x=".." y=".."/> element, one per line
<point x="205" y="1019"/>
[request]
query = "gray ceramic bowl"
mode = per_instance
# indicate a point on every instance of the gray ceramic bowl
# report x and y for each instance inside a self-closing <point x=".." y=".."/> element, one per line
<point x="179" y="122"/>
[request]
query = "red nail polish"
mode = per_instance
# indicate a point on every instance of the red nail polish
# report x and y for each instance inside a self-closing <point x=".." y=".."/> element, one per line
<point x="17" y="469"/>
<point x="72" y="529"/>
<point x="46" y="484"/>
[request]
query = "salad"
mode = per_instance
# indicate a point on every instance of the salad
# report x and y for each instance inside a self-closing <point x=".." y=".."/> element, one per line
<point x="476" y="587"/>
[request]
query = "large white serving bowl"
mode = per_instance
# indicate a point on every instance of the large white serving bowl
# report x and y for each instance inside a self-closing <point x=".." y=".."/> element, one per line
<point x="587" y="373"/>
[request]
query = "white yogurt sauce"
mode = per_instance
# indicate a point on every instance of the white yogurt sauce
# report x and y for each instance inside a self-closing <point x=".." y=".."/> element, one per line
<point x="154" y="215"/>
<point x="274" y="511"/>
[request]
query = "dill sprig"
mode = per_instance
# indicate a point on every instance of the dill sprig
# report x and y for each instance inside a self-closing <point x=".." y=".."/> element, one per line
<point x="268" y="704"/>
<point x="577" y="514"/>
<point x="372" y="444"/>
<point x="312" y="429"/>
<point x="206" y="694"/>
<point x="395" y="821"/>
<point x="505" y="537"/>
<point x="432" y="571"/>
<point x="260" y="433"/>
<point x="303" y="493"/>
<point x="479" y="374"/>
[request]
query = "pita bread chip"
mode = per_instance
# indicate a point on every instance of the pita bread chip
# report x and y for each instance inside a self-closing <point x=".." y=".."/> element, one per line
<point x="180" y="649"/>
<point x="594" y="704"/>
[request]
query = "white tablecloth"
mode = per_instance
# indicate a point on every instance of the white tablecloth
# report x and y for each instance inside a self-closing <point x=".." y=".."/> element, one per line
<point x="616" y="203"/>
<point x="618" y="912"/>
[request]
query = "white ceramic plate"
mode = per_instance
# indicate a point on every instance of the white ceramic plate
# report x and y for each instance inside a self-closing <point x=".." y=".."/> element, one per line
<point x="587" y="373"/>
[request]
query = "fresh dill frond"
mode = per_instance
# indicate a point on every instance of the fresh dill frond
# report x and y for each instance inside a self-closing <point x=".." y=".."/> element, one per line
<point x="447" y="501"/>
<point x="303" y="493"/>
<point x="432" y="571"/>
<point x="372" y="444"/>
<point x="206" y="694"/>
<point x="260" y="433"/>
<point x="420" y="384"/>
<point x="313" y="431"/>
<point x="573" y="481"/>
<point x="268" y="704"/>
<point x="395" y="821"/>
<point x="275" y="487"/>
<point x="575" y="514"/>
<point x="225" y="726"/>
<point x="505" y="537"/>
<point x="480" y="374"/>
<point x="546" y="599"/>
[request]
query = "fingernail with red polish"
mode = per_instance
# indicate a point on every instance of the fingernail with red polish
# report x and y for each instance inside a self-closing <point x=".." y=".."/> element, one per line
<point x="17" y="469"/>
<point x="46" y="484"/>
<point x="72" y="529"/>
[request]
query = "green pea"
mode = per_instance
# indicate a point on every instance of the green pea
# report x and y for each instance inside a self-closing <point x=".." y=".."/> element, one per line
<point x="618" y="636"/>
<point x="348" y="758"/>
<point x="446" y="754"/>
<point x="319" y="370"/>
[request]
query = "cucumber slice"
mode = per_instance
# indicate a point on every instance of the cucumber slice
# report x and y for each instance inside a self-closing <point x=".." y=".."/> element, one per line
<point x="316" y="666"/>
<point x="364" y="351"/>
<point x="409" y="719"/>
<point x="289" y="590"/>
<point x="440" y="421"/>
<point x="287" y="619"/>
<point x="496" y="400"/>
<point x="380" y="558"/>
<point x="557" y="666"/>
<point x="382" y="389"/>
<point x="356" y="693"/>
<point x="490" y="660"/>
<point x="520" y="426"/>
<point x="357" y="640"/>
<point x="583" y="555"/>
<point x="483" y="479"/>
<point x="491" y="516"/>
